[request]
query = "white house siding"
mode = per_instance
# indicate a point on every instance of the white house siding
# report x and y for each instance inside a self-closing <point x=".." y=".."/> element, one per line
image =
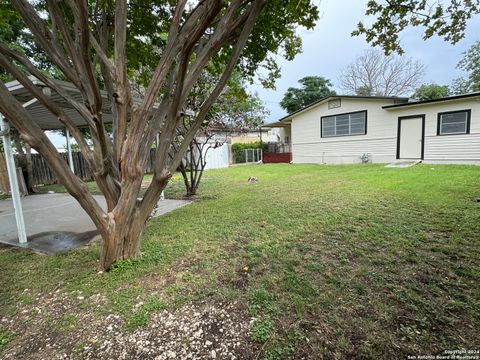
<point x="458" y="149"/>
<point x="447" y="149"/>
<point x="379" y="142"/>
<point x="284" y="135"/>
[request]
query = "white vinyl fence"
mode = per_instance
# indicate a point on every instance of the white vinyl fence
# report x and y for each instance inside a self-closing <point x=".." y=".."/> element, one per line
<point x="217" y="158"/>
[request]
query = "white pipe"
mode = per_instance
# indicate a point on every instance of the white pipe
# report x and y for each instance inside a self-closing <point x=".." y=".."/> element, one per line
<point x="69" y="150"/>
<point x="29" y="102"/>
<point x="12" y="177"/>
<point x="157" y="143"/>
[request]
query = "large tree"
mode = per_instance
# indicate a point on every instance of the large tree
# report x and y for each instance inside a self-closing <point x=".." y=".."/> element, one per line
<point x="375" y="74"/>
<point x="447" y="19"/>
<point x="312" y="88"/>
<point x="431" y="92"/>
<point x="460" y="86"/>
<point x="470" y="63"/>
<point x="89" y="43"/>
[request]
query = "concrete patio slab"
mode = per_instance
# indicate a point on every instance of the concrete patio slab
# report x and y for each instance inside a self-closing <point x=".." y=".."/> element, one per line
<point x="403" y="163"/>
<point x="56" y="222"/>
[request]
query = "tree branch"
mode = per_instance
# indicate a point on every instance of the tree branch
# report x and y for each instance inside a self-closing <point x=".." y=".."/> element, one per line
<point x="22" y="59"/>
<point x="122" y="97"/>
<point x="44" y="36"/>
<point x="35" y="137"/>
<point x="255" y="9"/>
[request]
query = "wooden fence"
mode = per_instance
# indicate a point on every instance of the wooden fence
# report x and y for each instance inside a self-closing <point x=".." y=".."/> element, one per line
<point x="43" y="175"/>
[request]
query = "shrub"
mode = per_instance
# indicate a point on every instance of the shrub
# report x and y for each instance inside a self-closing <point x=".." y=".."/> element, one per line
<point x="238" y="150"/>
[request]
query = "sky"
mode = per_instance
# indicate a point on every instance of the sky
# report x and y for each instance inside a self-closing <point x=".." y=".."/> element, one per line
<point x="329" y="47"/>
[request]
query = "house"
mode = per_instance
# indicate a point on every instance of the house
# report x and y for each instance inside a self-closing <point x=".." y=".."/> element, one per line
<point x="353" y="129"/>
<point x="234" y="136"/>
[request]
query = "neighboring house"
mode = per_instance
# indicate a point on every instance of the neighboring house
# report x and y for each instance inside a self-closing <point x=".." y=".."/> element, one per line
<point x="352" y="129"/>
<point x="268" y="135"/>
<point x="217" y="148"/>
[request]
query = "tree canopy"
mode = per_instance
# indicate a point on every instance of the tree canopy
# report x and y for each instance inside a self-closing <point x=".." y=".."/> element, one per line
<point x="459" y="86"/>
<point x="470" y="63"/>
<point x="237" y="108"/>
<point x="446" y="19"/>
<point x="372" y="73"/>
<point x="431" y="92"/>
<point x="312" y="88"/>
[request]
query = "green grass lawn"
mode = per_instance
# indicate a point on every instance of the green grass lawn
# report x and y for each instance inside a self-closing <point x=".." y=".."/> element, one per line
<point x="354" y="261"/>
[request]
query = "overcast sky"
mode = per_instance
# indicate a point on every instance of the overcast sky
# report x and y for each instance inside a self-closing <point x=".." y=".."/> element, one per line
<point x="329" y="47"/>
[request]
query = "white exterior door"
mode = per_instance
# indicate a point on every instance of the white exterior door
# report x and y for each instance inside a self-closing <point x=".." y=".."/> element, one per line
<point x="411" y="138"/>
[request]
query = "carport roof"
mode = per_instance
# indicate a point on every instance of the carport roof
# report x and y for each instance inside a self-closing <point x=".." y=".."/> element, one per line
<point x="42" y="116"/>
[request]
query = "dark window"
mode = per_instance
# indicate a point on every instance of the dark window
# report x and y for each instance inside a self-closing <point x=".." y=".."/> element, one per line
<point x="344" y="124"/>
<point x="455" y="122"/>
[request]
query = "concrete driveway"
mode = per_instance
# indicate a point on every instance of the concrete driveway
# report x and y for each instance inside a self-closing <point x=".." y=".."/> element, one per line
<point x="56" y="222"/>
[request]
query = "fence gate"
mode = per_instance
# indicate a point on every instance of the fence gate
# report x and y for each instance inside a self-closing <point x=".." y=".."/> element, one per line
<point x="253" y="155"/>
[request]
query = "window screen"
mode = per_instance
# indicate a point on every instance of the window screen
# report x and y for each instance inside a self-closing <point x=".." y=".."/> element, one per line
<point x="345" y="124"/>
<point x="453" y="122"/>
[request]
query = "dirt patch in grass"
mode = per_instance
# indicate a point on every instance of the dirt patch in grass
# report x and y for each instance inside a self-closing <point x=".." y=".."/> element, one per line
<point x="196" y="331"/>
<point x="48" y="326"/>
<point x="61" y="327"/>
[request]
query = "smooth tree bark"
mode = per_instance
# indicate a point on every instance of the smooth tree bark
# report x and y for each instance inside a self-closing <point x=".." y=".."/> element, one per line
<point x="4" y="183"/>
<point x="196" y="34"/>
<point x="25" y="161"/>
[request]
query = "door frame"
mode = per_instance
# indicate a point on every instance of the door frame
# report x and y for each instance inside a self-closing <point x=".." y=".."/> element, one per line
<point x="399" y="130"/>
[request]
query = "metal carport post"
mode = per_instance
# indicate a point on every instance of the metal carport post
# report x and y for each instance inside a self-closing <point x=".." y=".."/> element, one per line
<point x="12" y="177"/>
<point x="69" y="151"/>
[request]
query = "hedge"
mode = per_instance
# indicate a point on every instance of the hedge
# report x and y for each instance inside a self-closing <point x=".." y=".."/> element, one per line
<point x="238" y="150"/>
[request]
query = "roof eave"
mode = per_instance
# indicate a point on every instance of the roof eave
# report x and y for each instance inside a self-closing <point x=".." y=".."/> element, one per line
<point x="427" y="102"/>
<point x="320" y="101"/>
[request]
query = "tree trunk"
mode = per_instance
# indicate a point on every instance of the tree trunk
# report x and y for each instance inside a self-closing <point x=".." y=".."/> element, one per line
<point x="121" y="241"/>
<point x="122" y="235"/>
<point x="4" y="182"/>
<point x="30" y="182"/>
<point x="183" y="170"/>
<point x="24" y="161"/>
<point x="191" y="191"/>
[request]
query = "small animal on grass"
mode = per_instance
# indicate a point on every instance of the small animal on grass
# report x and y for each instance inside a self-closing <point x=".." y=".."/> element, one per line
<point x="252" y="180"/>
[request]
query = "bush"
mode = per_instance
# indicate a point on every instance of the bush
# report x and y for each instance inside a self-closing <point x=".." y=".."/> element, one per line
<point x="238" y="150"/>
